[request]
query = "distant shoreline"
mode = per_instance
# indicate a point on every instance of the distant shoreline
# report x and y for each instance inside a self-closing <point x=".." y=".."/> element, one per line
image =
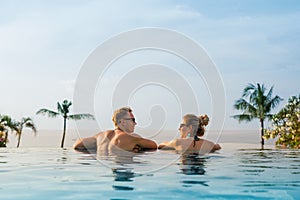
<point x="52" y="138"/>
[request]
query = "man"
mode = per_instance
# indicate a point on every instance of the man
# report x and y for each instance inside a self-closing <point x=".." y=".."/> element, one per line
<point x="122" y="138"/>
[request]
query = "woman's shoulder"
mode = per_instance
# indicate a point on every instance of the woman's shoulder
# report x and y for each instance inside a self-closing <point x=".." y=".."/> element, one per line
<point x="209" y="146"/>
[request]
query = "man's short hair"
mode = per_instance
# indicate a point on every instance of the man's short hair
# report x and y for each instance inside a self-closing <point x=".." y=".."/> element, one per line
<point x="120" y="114"/>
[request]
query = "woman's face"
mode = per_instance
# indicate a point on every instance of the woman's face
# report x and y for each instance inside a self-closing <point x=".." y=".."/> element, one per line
<point x="184" y="129"/>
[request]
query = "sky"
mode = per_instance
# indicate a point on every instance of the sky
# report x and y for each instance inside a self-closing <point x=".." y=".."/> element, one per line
<point x="44" y="46"/>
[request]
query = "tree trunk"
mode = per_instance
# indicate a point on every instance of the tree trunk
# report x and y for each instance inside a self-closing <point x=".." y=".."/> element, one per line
<point x="262" y="133"/>
<point x="64" y="133"/>
<point x="5" y="138"/>
<point x="19" y="139"/>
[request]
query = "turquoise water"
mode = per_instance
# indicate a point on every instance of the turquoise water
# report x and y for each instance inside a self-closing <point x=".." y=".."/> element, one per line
<point x="50" y="173"/>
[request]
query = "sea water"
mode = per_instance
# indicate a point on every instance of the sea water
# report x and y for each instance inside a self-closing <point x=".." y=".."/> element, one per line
<point x="232" y="173"/>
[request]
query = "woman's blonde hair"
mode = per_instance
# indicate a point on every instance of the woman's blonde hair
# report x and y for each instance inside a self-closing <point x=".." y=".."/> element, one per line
<point x="197" y="123"/>
<point x="203" y="121"/>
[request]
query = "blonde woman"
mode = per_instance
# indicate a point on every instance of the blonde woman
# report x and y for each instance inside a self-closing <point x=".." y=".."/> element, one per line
<point x="191" y="129"/>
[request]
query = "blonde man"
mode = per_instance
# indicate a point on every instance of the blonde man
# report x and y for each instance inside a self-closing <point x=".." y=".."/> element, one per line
<point x="121" y="138"/>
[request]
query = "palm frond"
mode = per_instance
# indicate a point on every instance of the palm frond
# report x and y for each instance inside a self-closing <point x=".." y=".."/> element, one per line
<point x="6" y="120"/>
<point x="28" y="122"/>
<point x="255" y="94"/>
<point x="275" y="101"/>
<point x="269" y="116"/>
<point x="240" y="104"/>
<point x="243" y="117"/>
<point x="244" y="105"/>
<point x="269" y="95"/>
<point x="31" y="126"/>
<point x="248" y="89"/>
<point x="81" y="116"/>
<point x="7" y="123"/>
<point x="47" y="112"/>
<point x="66" y="103"/>
<point x="64" y="107"/>
<point x="60" y="109"/>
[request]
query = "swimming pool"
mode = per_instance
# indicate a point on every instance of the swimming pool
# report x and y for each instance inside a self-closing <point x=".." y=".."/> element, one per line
<point x="53" y="173"/>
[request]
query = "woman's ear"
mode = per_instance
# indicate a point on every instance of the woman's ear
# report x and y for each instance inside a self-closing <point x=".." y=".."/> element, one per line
<point x="190" y="127"/>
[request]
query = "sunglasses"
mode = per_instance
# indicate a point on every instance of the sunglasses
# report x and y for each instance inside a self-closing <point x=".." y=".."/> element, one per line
<point x="182" y="125"/>
<point x="132" y="119"/>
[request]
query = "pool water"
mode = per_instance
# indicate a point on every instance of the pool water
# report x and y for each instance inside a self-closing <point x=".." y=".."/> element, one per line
<point x="52" y="173"/>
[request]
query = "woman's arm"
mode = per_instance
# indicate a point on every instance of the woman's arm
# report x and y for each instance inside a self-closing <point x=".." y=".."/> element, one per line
<point x="162" y="145"/>
<point x="216" y="147"/>
<point x="167" y="145"/>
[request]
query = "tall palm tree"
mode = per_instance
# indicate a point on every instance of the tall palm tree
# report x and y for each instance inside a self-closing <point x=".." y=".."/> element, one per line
<point x="63" y="110"/>
<point x="258" y="105"/>
<point x="18" y="127"/>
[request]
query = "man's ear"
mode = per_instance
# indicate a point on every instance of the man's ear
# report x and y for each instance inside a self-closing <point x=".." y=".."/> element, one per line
<point x="120" y="122"/>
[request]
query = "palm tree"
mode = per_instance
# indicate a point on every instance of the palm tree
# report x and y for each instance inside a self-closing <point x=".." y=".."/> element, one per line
<point x="18" y="127"/>
<point x="63" y="110"/>
<point x="258" y="105"/>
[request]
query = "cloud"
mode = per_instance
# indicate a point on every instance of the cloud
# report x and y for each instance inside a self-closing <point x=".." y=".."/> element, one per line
<point x="43" y="44"/>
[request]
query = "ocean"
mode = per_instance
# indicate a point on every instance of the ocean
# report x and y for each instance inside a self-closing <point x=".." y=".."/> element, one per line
<point x="52" y="138"/>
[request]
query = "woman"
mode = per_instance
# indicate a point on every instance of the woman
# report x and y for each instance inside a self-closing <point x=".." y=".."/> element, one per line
<point x="191" y="128"/>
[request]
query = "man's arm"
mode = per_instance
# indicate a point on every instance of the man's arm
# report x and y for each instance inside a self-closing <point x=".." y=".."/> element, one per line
<point x="86" y="143"/>
<point x="146" y="143"/>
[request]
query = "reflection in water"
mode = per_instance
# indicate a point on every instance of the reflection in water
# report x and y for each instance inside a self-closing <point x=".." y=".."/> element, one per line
<point x="186" y="183"/>
<point x="269" y="169"/>
<point x="118" y="161"/>
<point x="119" y="157"/>
<point x="192" y="164"/>
<point x="123" y="175"/>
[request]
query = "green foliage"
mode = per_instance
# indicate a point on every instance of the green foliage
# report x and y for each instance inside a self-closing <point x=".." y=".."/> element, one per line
<point x="286" y="125"/>
<point x="6" y="123"/>
<point x="25" y="122"/>
<point x="2" y="139"/>
<point x="63" y="110"/>
<point x="19" y="125"/>
<point x="256" y="102"/>
<point x="47" y="112"/>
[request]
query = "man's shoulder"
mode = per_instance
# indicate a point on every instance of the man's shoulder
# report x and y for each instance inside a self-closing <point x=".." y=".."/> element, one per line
<point x="108" y="132"/>
<point x="127" y="137"/>
<point x="136" y="135"/>
<point x="104" y="132"/>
